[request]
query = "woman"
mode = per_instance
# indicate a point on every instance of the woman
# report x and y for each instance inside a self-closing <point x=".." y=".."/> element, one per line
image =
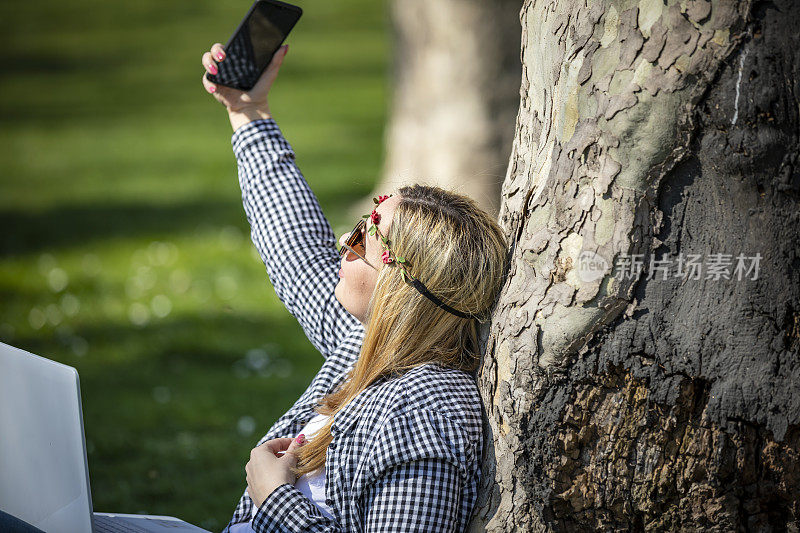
<point x="393" y="417"/>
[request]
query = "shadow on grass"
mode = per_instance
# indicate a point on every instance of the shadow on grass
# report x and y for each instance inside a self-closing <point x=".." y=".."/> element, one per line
<point x="63" y="226"/>
<point x="210" y="340"/>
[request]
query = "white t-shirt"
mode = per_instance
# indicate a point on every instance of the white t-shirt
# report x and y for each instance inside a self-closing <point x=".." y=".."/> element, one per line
<point x="312" y="485"/>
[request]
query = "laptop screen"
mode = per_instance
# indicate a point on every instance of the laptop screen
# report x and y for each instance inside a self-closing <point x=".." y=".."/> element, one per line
<point x="44" y="476"/>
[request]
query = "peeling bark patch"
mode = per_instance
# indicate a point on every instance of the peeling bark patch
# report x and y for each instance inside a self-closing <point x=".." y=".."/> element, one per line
<point x="627" y="462"/>
<point x="649" y="13"/>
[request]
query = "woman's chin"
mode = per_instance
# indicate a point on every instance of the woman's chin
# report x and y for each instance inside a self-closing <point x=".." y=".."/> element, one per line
<point x="336" y="291"/>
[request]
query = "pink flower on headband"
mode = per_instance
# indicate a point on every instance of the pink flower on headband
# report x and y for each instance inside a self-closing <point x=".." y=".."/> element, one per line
<point x="386" y="257"/>
<point x="375" y="217"/>
<point x="382" y="198"/>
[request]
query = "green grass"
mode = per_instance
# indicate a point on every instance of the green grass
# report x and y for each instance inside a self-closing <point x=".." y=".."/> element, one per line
<point x="125" y="250"/>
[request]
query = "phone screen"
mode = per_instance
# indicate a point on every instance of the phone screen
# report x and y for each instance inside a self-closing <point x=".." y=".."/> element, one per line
<point x="252" y="46"/>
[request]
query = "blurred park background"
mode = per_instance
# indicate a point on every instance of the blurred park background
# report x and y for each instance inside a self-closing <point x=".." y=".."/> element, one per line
<point x="125" y="251"/>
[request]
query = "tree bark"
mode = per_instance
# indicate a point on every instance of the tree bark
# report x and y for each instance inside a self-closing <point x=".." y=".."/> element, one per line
<point x="455" y="85"/>
<point x="660" y="399"/>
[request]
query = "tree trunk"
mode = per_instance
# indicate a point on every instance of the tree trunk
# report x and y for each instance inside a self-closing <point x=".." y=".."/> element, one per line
<point x="455" y="95"/>
<point x="636" y="377"/>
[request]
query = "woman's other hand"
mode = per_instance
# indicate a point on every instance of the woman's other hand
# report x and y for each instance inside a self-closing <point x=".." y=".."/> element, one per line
<point x="242" y="106"/>
<point x="266" y="471"/>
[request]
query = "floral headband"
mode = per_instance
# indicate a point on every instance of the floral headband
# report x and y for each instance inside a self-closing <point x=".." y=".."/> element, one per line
<point x="402" y="263"/>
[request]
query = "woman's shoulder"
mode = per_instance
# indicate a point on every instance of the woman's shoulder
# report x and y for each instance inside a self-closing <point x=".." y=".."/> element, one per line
<point x="428" y="412"/>
<point x="432" y="392"/>
<point x="433" y="386"/>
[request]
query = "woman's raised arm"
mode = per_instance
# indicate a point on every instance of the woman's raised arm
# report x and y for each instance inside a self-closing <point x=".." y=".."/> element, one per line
<point x="293" y="237"/>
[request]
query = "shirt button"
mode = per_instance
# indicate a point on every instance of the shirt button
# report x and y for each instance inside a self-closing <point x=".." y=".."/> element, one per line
<point x="329" y="501"/>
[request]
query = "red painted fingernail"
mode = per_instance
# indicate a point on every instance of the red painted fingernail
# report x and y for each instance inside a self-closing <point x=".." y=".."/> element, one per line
<point x="213" y="69"/>
<point x="212" y="89"/>
<point x="220" y="56"/>
<point x="300" y="438"/>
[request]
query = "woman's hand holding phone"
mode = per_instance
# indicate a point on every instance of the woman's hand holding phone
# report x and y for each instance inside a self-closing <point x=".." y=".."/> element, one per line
<point x="243" y="107"/>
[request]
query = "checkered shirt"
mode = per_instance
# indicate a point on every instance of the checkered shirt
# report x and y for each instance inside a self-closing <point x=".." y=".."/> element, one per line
<point x="406" y="452"/>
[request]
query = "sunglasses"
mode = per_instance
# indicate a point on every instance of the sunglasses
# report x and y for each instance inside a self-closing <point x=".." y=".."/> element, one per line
<point x="355" y="242"/>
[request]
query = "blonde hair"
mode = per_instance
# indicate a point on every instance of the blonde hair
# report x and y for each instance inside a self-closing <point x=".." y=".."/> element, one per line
<point x="460" y="253"/>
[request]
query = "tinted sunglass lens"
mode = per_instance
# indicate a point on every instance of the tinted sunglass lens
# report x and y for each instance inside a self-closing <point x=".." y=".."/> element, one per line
<point x="354" y="240"/>
<point x="357" y="238"/>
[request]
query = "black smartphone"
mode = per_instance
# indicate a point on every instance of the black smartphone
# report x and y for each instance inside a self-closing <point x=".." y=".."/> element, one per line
<point x="251" y="47"/>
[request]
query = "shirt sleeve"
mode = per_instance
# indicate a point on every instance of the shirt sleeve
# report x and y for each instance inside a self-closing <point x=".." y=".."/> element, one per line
<point x="422" y="495"/>
<point x="416" y="483"/>
<point x="290" y="232"/>
<point x="418" y="472"/>
<point x="287" y="510"/>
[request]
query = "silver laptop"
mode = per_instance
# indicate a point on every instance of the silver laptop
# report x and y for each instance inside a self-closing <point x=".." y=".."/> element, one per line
<point x="44" y="473"/>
